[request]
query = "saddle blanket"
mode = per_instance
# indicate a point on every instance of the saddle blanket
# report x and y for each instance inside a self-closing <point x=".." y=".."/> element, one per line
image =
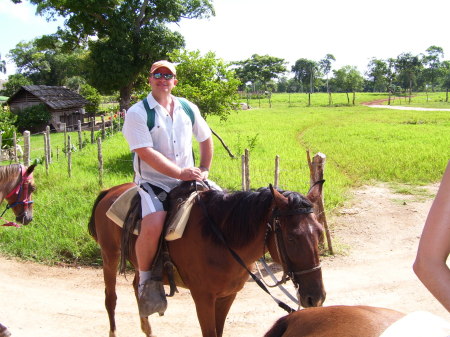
<point x="177" y="223"/>
<point x="419" y="324"/>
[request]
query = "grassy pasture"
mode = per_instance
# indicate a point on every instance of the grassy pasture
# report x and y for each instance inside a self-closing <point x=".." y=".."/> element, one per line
<point x="362" y="144"/>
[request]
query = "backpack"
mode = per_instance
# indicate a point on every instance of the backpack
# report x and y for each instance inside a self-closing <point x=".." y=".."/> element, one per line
<point x="151" y="112"/>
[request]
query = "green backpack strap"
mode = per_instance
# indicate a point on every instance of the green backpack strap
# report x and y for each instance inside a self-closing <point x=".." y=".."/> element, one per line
<point x="151" y="112"/>
<point x="187" y="109"/>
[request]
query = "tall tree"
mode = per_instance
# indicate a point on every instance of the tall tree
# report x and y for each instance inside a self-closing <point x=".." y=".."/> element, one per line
<point x="2" y="65"/>
<point x="348" y="79"/>
<point x="408" y="67"/>
<point x="207" y="81"/>
<point x="432" y="61"/>
<point x="325" y="68"/>
<point x="14" y="83"/>
<point x="377" y="71"/>
<point x="446" y="78"/>
<point x="129" y="35"/>
<point x="305" y="73"/>
<point x="260" y="68"/>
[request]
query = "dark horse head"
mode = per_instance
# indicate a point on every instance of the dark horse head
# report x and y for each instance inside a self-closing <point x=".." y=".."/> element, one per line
<point x="282" y="220"/>
<point x="17" y="184"/>
<point x="295" y="242"/>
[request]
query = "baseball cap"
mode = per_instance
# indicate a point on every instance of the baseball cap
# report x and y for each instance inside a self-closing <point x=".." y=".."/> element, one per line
<point x="163" y="64"/>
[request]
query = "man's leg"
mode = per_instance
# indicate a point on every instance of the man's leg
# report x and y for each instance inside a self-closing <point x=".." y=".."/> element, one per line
<point x="147" y="243"/>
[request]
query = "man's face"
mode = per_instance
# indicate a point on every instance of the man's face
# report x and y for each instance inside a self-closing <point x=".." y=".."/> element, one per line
<point x="160" y="83"/>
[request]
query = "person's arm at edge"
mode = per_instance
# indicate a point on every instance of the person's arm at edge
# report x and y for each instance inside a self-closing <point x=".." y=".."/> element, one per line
<point x="434" y="246"/>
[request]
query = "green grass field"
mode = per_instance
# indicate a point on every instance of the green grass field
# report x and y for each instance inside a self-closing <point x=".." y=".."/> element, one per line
<point x="363" y="145"/>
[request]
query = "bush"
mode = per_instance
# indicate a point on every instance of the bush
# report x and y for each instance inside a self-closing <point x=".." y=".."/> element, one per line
<point x="33" y="118"/>
<point x="7" y="127"/>
<point x="93" y="96"/>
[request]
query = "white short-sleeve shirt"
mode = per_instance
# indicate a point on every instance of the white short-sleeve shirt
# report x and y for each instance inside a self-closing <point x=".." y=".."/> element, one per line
<point x="170" y="136"/>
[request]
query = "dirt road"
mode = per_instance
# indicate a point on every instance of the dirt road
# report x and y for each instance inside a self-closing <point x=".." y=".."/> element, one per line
<point x="376" y="236"/>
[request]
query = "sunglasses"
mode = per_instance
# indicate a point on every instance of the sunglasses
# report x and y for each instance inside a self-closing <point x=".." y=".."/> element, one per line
<point x="166" y="76"/>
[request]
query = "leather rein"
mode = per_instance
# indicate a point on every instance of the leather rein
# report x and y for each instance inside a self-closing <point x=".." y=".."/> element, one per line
<point x="20" y="189"/>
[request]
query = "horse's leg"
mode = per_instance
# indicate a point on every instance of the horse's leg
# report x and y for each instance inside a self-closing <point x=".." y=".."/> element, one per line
<point x="223" y="306"/>
<point x="205" y="303"/>
<point x="4" y="331"/>
<point x="145" y="325"/>
<point x="110" y="263"/>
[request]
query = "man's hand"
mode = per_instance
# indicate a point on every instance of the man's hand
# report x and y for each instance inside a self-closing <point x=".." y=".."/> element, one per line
<point x="191" y="173"/>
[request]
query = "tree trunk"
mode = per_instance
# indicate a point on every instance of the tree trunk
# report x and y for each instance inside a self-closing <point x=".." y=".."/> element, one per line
<point x="125" y="97"/>
<point x="309" y="98"/>
<point x="329" y="97"/>
<point x="354" y="97"/>
<point x="348" y="98"/>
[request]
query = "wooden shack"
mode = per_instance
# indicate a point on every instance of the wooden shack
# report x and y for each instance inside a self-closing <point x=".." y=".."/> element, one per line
<point x="65" y="105"/>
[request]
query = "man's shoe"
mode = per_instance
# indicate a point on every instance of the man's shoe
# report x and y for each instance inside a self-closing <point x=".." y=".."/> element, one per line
<point x="152" y="298"/>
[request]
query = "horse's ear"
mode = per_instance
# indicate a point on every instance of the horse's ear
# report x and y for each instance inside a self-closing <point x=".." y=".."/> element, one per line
<point x="276" y="195"/>
<point x="315" y="192"/>
<point x="30" y="169"/>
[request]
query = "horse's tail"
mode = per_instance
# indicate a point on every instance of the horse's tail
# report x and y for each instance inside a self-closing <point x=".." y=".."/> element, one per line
<point x="91" y="225"/>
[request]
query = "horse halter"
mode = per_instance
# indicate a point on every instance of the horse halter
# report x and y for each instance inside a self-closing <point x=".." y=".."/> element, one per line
<point x="20" y="189"/>
<point x="275" y="227"/>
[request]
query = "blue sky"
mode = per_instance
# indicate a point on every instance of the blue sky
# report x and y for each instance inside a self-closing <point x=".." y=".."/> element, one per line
<point x="352" y="30"/>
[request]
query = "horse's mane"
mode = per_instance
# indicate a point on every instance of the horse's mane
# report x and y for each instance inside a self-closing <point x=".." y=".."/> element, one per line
<point x="9" y="172"/>
<point x="238" y="214"/>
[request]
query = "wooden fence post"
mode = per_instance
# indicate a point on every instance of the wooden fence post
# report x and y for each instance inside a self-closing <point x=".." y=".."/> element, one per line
<point x="1" y="143"/>
<point x="317" y="166"/>
<point x="112" y="124"/>
<point x="45" y="153"/>
<point x="80" y="138"/>
<point x="15" y="147"/>
<point x="277" y="171"/>
<point x="103" y="128"/>
<point x="247" y="169"/>
<point x="100" y="161"/>
<point x="93" y="130"/>
<point x="243" y="174"/>
<point x="69" y="156"/>
<point x="49" y="145"/>
<point x="26" y="148"/>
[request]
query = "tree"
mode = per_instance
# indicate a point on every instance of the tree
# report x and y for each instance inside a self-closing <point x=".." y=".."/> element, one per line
<point x="207" y="81"/>
<point x="325" y="68"/>
<point x="14" y="83"/>
<point x="433" y="63"/>
<point x="2" y="65"/>
<point x="446" y="77"/>
<point x="305" y="72"/>
<point x="408" y="67"/>
<point x="260" y="69"/>
<point x="348" y="79"/>
<point x="7" y="127"/>
<point x="377" y="71"/>
<point x="130" y="35"/>
<point x="93" y="96"/>
<point x="46" y="61"/>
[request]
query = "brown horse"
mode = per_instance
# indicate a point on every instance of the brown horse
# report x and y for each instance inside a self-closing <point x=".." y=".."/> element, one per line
<point x="16" y="186"/>
<point x="249" y="221"/>
<point x="335" y="321"/>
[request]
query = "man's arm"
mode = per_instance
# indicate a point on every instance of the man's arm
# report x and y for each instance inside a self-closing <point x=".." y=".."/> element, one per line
<point x="163" y="165"/>
<point x="206" y="154"/>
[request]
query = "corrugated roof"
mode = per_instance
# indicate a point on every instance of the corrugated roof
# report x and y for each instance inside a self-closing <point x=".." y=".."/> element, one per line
<point x="53" y="96"/>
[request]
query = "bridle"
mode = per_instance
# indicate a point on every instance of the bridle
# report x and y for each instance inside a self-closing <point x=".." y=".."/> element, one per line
<point x="21" y="189"/>
<point x="274" y="226"/>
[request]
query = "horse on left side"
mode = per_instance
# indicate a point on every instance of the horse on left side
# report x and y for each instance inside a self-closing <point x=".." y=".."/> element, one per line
<point x="16" y="186"/>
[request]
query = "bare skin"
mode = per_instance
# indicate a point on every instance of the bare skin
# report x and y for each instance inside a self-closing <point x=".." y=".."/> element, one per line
<point x="434" y="246"/>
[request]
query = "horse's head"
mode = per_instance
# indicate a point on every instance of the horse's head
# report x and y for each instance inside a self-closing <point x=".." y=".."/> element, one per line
<point x="19" y="199"/>
<point x="296" y="242"/>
